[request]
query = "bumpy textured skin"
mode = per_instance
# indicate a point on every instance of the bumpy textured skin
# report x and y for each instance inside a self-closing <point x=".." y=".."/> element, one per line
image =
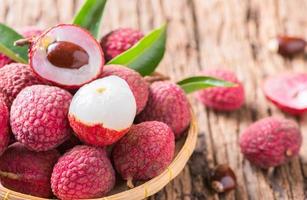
<point x="96" y="135"/>
<point x="167" y="103"/>
<point x="145" y="151"/>
<point x="221" y="98"/>
<point x="33" y="170"/>
<point x="15" y="77"/>
<point x="4" y="60"/>
<point x="118" y="41"/>
<point x="4" y="126"/>
<point x="39" y="117"/>
<point x="83" y="172"/>
<point x="136" y="82"/>
<point x="271" y="141"/>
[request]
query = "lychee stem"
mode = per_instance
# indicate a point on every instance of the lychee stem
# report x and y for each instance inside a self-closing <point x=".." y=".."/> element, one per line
<point x="23" y="42"/>
<point x="9" y="175"/>
<point x="289" y="153"/>
<point x="130" y="183"/>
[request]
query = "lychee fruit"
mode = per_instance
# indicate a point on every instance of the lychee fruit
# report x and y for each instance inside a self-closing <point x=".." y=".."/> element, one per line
<point x="39" y="117"/>
<point x="137" y="83"/>
<point x="167" y="103"/>
<point x="102" y="111"/>
<point x="288" y="91"/>
<point x="84" y="172"/>
<point x="118" y="41"/>
<point x="4" y="126"/>
<point x="30" y="31"/>
<point x="27" y="171"/>
<point x="4" y="60"/>
<point x="67" y="56"/>
<point x="15" y="77"/>
<point x="145" y="151"/>
<point x="69" y="144"/>
<point x="271" y="142"/>
<point x="222" y="98"/>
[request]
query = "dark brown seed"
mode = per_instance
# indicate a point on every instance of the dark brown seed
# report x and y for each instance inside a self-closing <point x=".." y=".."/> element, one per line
<point x="67" y="55"/>
<point x="223" y="179"/>
<point x="289" y="46"/>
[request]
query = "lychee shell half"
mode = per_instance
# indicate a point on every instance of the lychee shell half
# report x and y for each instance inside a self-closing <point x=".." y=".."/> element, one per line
<point x="102" y="111"/>
<point x="136" y="82"/>
<point x="82" y="173"/>
<point x="271" y="142"/>
<point x="145" y="152"/>
<point x="39" y="117"/>
<point x="26" y="171"/>
<point x="167" y="103"/>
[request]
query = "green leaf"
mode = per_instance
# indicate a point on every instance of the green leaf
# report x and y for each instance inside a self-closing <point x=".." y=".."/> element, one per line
<point x="7" y="38"/>
<point x="196" y="83"/>
<point x="145" y="55"/>
<point x="89" y="16"/>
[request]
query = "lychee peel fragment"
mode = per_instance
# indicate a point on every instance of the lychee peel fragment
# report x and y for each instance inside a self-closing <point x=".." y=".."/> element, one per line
<point x="271" y="142"/>
<point x="102" y="111"/>
<point x="82" y="173"/>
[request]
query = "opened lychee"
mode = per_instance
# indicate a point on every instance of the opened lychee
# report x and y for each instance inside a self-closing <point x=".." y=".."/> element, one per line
<point x="27" y="171"/>
<point x="288" y="92"/>
<point x="66" y="55"/>
<point x="102" y="111"/>
<point x="15" y="77"/>
<point x="145" y="152"/>
<point x="271" y="142"/>
<point x="4" y="126"/>
<point x="222" y="98"/>
<point x="84" y="172"/>
<point x="39" y="117"/>
<point x="167" y="103"/>
<point x="137" y="83"/>
<point x="118" y="41"/>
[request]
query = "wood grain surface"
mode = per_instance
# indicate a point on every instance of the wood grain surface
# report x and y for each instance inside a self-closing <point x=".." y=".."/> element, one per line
<point x="203" y="34"/>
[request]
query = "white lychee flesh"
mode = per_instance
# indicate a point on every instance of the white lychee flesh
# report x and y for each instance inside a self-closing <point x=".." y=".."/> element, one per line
<point x="107" y="101"/>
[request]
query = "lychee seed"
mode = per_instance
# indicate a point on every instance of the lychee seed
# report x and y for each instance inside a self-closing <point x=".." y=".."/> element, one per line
<point x="271" y="142"/>
<point x="102" y="111"/>
<point x="39" y="117"/>
<point x="82" y="173"/>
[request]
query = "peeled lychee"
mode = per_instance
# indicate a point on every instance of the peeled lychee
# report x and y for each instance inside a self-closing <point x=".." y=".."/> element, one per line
<point x="4" y="60"/>
<point x="39" y="117"/>
<point x="222" y="98"/>
<point x="288" y="92"/>
<point x="82" y="173"/>
<point x="15" y="77"/>
<point x="27" y="171"/>
<point x="118" y="41"/>
<point x="102" y="111"/>
<point x="137" y="83"/>
<point x="145" y="152"/>
<point x="67" y="56"/>
<point x="167" y="103"/>
<point x="271" y="142"/>
<point x="4" y="126"/>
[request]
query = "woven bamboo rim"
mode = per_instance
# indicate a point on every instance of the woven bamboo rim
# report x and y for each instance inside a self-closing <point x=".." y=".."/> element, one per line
<point x="146" y="189"/>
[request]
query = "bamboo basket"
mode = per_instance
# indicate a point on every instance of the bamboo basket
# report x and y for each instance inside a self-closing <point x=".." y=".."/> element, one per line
<point x="184" y="149"/>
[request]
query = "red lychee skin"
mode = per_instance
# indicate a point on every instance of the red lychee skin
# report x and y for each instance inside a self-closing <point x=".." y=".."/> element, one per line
<point x="82" y="173"/>
<point x="4" y="60"/>
<point x="136" y="82"/>
<point x="118" y="41"/>
<point x="167" y="103"/>
<point x="39" y="117"/>
<point x="222" y="98"/>
<point x="145" y="151"/>
<point x="33" y="48"/>
<point x="15" y="77"/>
<point x="96" y="135"/>
<point x="271" y="142"/>
<point x="27" y="171"/>
<point x="4" y="126"/>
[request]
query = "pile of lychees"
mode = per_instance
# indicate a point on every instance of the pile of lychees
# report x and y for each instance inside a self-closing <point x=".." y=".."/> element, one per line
<point x="73" y="122"/>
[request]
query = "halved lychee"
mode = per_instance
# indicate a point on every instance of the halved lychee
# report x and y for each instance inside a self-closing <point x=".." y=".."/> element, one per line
<point x="288" y="92"/>
<point x="66" y="55"/>
<point x="102" y="111"/>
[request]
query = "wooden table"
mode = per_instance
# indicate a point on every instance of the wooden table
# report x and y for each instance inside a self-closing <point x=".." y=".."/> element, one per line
<point x="207" y="33"/>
